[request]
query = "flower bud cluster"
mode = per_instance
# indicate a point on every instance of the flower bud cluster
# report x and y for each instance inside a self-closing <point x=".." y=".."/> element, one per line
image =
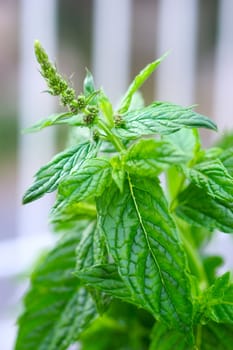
<point x="57" y="85"/>
<point x="118" y="121"/>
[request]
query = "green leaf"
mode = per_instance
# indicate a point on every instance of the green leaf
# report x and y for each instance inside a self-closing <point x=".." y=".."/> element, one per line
<point x="137" y="101"/>
<point x="123" y="327"/>
<point x="219" y="287"/>
<point x="226" y="158"/>
<point x="92" y="251"/>
<point x="142" y="239"/>
<point x="199" y="209"/>
<point x="218" y="300"/>
<point x="161" y="118"/>
<point x="150" y="157"/>
<point x="57" y="119"/>
<point x="107" y="279"/>
<point x="87" y="182"/>
<point x="163" y="338"/>
<point x="200" y="235"/>
<point x="118" y="172"/>
<point x="63" y="164"/>
<point x="88" y="84"/>
<point x="78" y="314"/>
<point x="184" y="140"/>
<point x="209" y="337"/>
<point x="211" y="264"/>
<point x="137" y="83"/>
<point x="174" y="181"/>
<point x="70" y="216"/>
<point x="57" y="308"/>
<point x="188" y="141"/>
<point x="226" y="140"/>
<point x="106" y="107"/>
<point x="212" y="177"/>
<point x="74" y="120"/>
<point x="217" y="336"/>
<point x="118" y="176"/>
<point x="212" y="153"/>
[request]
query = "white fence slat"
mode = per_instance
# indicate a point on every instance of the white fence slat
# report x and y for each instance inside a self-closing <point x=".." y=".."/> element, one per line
<point x="176" y="31"/>
<point x="111" y="45"/>
<point x="223" y="95"/>
<point x="38" y="21"/>
<point x="223" y="107"/>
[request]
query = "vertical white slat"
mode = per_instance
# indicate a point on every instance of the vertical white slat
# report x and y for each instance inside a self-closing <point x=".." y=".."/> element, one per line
<point x="37" y="21"/>
<point x="223" y="90"/>
<point x="111" y="45"/>
<point x="176" y="31"/>
<point x="223" y="107"/>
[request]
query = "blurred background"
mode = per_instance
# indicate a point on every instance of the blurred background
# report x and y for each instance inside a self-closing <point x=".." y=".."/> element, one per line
<point x="114" y="39"/>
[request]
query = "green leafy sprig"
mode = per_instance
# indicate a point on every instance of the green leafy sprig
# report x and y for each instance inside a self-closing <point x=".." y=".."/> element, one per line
<point x="129" y="270"/>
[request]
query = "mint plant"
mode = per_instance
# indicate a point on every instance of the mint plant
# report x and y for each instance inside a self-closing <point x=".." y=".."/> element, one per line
<point x="128" y="270"/>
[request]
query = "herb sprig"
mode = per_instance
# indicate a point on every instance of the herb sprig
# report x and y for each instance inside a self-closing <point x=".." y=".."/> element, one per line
<point x="128" y="270"/>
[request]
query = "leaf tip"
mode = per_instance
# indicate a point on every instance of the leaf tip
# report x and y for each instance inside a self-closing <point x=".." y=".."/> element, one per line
<point x="165" y="55"/>
<point x="27" y="130"/>
<point x="37" y="43"/>
<point x="25" y="199"/>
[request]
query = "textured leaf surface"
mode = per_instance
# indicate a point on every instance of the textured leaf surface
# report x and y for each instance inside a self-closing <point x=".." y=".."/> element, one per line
<point x="137" y="101"/>
<point x="199" y="209"/>
<point x="219" y="300"/>
<point x="184" y="140"/>
<point x="150" y="157"/>
<point x="123" y="327"/>
<point x="106" y="107"/>
<point x="78" y="314"/>
<point x="226" y="158"/>
<point x="89" y="181"/>
<point x="212" y="153"/>
<point x="63" y="164"/>
<point x="212" y="336"/>
<point x="90" y="252"/>
<point x="118" y="172"/>
<point x="57" y="309"/>
<point x="213" y="178"/>
<point x="164" y="339"/>
<point x="137" y="83"/>
<point x="57" y="119"/>
<point x="107" y="279"/>
<point x="226" y="140"/>
<point x="69" y="218"/>
<point x="161" y="118"/>
<point x="217" y="336"/>
<point x="142" y="239"/>
<point x="211" y="264"/>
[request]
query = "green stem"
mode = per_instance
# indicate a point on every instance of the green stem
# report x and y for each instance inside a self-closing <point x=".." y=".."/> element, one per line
<point x="111" y="137"/>
<point x="194" y="260"/>
<point x="179" y="189"/>
<point x="112" y="324"/>
<point x="198" y="337"/>
<point x="198" y="142"/>
<point x="195" y="264"/>
<point x="197" y="149"/>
